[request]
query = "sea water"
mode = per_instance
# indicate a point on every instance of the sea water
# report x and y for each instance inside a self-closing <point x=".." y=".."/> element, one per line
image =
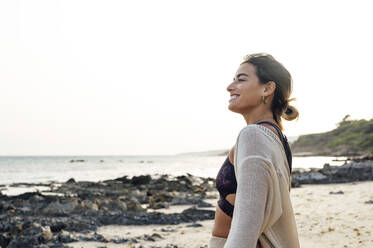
<point x="42" y="169"/>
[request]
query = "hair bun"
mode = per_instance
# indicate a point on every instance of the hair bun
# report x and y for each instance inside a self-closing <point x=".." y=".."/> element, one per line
<point x="290" y="112"/>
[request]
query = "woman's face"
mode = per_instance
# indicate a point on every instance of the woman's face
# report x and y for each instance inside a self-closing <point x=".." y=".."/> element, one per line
<point x="245" y="90"/>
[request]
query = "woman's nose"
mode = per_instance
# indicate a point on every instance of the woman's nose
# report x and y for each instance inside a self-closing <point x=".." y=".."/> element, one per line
<point x="230" y="87"/>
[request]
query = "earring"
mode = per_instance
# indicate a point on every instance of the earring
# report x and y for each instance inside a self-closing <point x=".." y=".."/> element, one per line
<point x="264" y="100"/>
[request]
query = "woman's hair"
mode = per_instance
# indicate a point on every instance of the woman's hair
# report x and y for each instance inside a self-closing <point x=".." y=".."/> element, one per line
<point x="268" y="69"/>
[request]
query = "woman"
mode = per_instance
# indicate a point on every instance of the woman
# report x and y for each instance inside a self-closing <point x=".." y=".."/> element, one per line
<point x="254" y="209"/>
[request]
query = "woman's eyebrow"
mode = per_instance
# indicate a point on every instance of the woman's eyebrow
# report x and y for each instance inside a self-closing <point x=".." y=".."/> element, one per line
<point x="242" y="74"/>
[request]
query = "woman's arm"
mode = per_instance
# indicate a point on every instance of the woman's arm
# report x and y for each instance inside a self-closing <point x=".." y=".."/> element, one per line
<point x="231" y="155"/>
<point x="253" y="174"/>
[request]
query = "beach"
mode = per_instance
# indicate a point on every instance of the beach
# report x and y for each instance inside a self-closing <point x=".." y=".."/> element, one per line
<point x="325" y="217"/>
<point x="332" y="207"/>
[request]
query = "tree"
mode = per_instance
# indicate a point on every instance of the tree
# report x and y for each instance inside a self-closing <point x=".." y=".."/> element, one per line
<point x="345" y="120"/>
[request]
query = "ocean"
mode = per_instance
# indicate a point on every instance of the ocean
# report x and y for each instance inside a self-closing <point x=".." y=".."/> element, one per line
<point x="42" y="169"/>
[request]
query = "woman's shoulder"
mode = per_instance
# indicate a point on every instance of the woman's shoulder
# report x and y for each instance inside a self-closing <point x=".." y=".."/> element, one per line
<point x="252" y="130"/>
<point x="257" y="140"/>
<point x="257" y="133"/>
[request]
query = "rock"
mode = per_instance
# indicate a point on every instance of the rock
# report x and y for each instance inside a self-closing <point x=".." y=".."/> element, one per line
<point x="139" y="180"/>
<point x="171" y="246"/>
<point x="167" y="230"/>
<point x="87" y="204"/>
<point x="336" y="192"/>
<point x="154" y="237"/>
<point x="123" y="179"/>
<point x="349" y="172"/>
<point x="196" y="214"/>
<point x="36" y="199"/>
<point x="134" y="205"/>
<point x="157" y="236"/>
<point x="29" y="195"/>
<point x="203" y="204"/>
<point x="61" y="208"/>
<point x="295" y="183"/>
<point x="16" y="229"/>
<point x="47" y="233"/>
<point x="32" y="236"/>
<point x="120" y="205"/>
<point x="9" y="207"/>
<point x="57" y="226"/>
<point x="76" y="160"/>
<point x="354" y="171"/>
<point x="186" y="199"/>
<point x="24" y="242"/>
<point x="119" y="241"/>
<point x="154" y="204"/>
<point x="184" y="180"/>
<point x="161" y="196"/>
<point x="95" y="237"/>
<point x="5" y="239"/>
<point x="329" y="170"/>
<point x="71" y="180"/>
<point x="33" y="230"/>
<point x="194" y="225"/>
<point x="310" y="177"/>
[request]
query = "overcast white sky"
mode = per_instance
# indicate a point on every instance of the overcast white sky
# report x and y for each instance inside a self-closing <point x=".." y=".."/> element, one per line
<point x="149" y="77"/>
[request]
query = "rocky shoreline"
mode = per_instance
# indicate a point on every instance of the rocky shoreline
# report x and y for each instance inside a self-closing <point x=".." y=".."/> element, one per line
<point x="72" y="211"/>
<point x="354" y="171"/>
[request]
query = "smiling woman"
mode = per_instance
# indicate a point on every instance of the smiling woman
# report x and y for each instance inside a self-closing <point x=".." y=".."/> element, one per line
<point x="254" y="208"/>
<point x="255" y="72"/>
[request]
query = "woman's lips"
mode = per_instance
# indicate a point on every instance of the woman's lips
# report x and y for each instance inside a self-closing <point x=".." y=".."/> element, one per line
<point x="233" y="97"/>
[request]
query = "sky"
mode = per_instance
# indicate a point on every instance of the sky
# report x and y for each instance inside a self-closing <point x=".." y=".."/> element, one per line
<point x="149" y="77"/>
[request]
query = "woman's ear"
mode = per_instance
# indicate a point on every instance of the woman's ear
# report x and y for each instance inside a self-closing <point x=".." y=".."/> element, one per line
<point x="269" y="88"/>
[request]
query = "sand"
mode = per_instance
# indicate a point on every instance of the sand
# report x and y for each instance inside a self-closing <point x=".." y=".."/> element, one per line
<point x="323" y="220"/>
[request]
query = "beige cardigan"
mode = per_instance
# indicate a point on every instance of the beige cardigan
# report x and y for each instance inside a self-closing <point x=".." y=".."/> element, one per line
<point x="262" y="208"/>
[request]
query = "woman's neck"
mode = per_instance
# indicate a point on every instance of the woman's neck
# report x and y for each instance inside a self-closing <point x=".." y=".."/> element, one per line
<point x="252" y="118"/>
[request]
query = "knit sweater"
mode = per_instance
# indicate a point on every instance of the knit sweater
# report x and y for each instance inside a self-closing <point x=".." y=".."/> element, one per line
<point x="262" y="209"/>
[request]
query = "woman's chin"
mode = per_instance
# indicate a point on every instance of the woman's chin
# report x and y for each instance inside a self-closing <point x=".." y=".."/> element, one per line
<point x="233" y="108"/>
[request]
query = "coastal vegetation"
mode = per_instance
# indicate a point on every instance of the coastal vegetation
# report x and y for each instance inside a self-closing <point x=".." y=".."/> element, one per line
<point x="349" y="138"/>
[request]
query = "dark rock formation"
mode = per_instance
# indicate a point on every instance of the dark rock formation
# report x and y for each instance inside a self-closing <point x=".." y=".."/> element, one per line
<point x="349" y="172"/>
<point x="45" y="220"/>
